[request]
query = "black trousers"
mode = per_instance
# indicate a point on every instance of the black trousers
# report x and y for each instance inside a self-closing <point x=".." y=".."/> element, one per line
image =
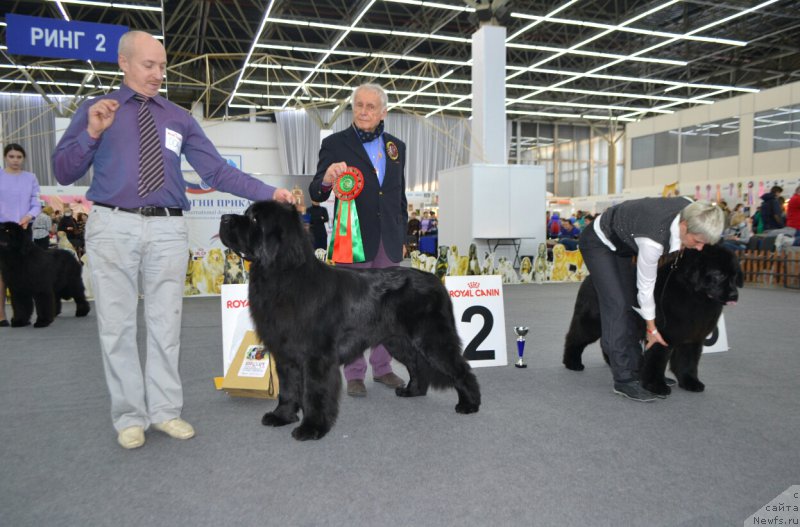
<point x="614" y="279"/>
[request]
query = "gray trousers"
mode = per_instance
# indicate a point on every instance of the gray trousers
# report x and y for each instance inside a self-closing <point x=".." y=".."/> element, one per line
<point x="122" y="248"/>
<point x="614" y="279"/>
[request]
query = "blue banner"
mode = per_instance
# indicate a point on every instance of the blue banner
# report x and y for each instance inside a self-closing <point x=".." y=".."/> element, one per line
<point x="55" y="38"/>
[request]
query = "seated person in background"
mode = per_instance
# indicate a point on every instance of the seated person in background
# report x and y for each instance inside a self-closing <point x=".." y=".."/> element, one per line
<point x="736" y="236"/>
<point x="568" y="235"/>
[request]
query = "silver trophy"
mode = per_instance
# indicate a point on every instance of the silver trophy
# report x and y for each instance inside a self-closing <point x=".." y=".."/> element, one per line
<point x="521" y="331"/>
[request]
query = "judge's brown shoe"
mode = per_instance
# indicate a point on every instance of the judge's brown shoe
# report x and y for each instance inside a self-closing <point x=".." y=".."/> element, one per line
<point x="391" y="380"/>
<point x="356" y="388"/>
<point x="131" y="437"/>
<point x="177" y="428"/>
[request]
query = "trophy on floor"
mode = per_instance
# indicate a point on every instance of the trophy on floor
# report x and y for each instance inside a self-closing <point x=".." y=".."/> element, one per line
<point x="521" y="331"/>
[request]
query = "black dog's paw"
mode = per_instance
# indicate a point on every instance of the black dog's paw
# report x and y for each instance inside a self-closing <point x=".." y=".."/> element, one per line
<point x="16" y="323"/>
<point x="82" y="310"/>
<point x="692" y="385"/>
<point x="658" y="388"/>
<point x="306" y="431"/>
<point x="467" y="408"/>
<point x="574" y="365"/>
<point x="42" y="323"/>
<point x="272" y="419"/>
<point x="405" y="391"/>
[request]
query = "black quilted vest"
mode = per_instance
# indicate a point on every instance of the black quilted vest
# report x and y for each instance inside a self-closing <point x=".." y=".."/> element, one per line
<point x="646" y="217"/>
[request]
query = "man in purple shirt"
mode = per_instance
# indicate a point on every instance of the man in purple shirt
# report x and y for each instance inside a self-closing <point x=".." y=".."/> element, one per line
<point x="133" y="233"/>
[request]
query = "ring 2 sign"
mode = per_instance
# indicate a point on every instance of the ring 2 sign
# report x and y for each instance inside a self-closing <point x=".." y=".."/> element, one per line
<point x="62" y="39"/>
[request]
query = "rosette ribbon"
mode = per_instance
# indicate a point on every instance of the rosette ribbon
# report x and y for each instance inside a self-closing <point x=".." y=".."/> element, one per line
<point x="346" y="245"/>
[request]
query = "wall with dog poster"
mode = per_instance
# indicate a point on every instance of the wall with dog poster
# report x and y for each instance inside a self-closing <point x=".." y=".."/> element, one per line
<point x="480" y="318"/>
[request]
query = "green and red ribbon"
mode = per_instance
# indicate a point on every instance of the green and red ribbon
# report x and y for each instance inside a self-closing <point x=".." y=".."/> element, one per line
<point x="346" y="245"/>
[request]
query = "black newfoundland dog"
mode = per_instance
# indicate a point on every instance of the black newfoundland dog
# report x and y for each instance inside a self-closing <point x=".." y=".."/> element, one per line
<point x="691" y="290"/>
<point x="38" y="276"/>
<point x="314" y="317"/>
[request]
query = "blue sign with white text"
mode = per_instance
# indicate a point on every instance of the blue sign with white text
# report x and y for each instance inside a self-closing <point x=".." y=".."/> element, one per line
<point x="51" y="37"/>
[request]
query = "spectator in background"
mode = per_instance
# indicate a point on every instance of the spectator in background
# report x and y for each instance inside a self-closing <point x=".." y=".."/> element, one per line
<point x="433" y="226"/>
<point x="771" y="209"/>
<point x="425" y="224"/>
<point x="580" y="219"/>
<point x="738" y="233"/>
<point x="554" y="227"/>
<point x="412" y="232"/>
<point x="568" y="235"/>
<point x="69" y="225"/>
<point x="318" y="217"/>
<point x="19" y="201"/>
<point x="42" y="227"/>
<point x="792" y="235"/>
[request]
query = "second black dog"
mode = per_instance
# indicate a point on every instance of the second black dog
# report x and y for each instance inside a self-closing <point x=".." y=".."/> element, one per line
<point x="690" y="291"/>
<point x="39" y="277"/>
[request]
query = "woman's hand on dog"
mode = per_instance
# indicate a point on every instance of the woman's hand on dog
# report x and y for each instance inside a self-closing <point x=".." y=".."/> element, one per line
<point x="653" y="336"/>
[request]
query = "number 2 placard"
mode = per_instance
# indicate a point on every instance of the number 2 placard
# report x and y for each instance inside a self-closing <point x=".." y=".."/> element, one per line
<point x="480" y="318"/>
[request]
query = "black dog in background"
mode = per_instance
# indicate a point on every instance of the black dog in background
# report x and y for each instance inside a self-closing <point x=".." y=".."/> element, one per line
<point x="314" y="317"/>
<point x="691" y="289"/>
<point x="38" y="276"/>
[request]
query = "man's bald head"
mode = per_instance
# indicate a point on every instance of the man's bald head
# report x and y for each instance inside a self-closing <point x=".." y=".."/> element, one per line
<point x="143" y="60"/>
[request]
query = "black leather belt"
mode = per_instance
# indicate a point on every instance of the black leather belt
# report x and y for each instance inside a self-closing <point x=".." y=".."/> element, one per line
<point x="146" y="211"/>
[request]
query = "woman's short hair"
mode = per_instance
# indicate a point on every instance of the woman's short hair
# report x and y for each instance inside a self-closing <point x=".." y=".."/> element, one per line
<point x="13" y="146"/>
<point x="704" y="218"/>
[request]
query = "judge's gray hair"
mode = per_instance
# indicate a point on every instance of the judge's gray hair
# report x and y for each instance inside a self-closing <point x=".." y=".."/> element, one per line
<point x="377" y="88"/>
<point x="705" y="219"/>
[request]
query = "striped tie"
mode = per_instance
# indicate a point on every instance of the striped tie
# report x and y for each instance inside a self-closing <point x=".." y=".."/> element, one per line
<point x="151" y="164"/>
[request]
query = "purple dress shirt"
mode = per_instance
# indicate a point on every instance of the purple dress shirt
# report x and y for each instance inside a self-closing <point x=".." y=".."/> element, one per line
<point x="19" y="195"/>
<point x="115" y="156"/>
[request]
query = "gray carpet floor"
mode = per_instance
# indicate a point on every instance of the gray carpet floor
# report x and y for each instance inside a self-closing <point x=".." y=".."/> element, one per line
<point x="549" y="447"/>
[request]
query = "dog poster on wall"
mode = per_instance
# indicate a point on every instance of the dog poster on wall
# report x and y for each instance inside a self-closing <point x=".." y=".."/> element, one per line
<point x="480" y="318"/>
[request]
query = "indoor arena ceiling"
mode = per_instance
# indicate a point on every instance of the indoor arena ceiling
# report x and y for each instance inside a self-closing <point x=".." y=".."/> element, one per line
<point x="570" y="60"/>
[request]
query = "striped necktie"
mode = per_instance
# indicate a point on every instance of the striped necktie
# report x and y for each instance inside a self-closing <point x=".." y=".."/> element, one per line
<point x="151" y="163"/>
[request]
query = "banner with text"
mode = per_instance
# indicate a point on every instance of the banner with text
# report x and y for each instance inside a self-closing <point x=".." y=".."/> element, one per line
<point x="62" y="39"/>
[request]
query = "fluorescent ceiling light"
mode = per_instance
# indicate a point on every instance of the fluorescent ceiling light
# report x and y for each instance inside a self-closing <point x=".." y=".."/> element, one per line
<point x="252" y="47"/>
<point x="536" y="23"/>
<point x="433" y="4"/>
<point x="584" y="105"/>
<point x="335" y="45"/>
<point x="563" y="51"/>
<point x="352" y="28"/>
<point x="663" y="34"/>
<point x="116" y="5"/>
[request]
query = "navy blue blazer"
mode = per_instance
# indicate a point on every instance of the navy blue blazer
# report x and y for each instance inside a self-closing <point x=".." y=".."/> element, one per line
<point x="382" y="209"/>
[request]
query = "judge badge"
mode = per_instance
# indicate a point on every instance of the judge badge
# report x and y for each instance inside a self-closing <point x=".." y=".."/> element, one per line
<point x="346" y="245"/>
<point x="391" y="151"/>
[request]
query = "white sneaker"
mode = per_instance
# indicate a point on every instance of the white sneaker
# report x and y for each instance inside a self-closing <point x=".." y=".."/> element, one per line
<point x="131" y="437"/>
<point x="177" y="428"/>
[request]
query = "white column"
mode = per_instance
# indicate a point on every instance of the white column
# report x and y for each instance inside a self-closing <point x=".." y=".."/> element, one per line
<point x="488" y="144"/>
